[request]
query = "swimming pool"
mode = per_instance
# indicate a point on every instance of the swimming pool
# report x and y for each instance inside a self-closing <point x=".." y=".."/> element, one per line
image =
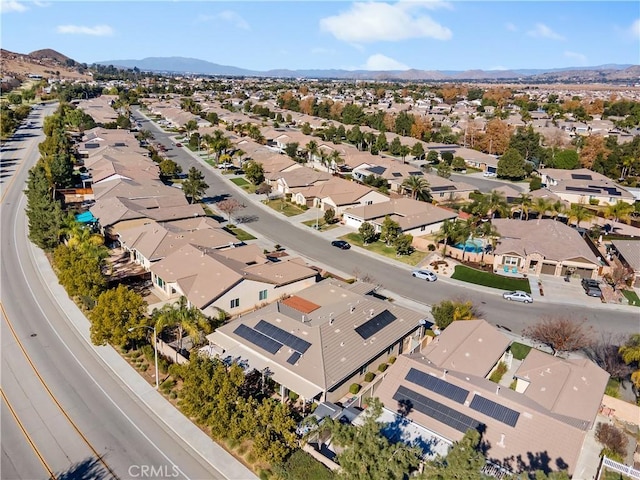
<point x="473" y="246"/>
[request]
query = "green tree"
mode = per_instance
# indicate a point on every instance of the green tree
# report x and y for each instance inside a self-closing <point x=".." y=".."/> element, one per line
<point x="381" y="142"/>
<point x="367" y="232"/>
<point x="448" y="311"/>
<point x="619" y="211"/>
<point x="329" y="215"/>
<point x="403" y="244"/>
<point x="44" y="213"/>
<point x="433" y="156"/>
<point x="169" y="168"/>
<point x="566" y="159"/>
<point x="118" y="310"/>
<point x="390" y="230"/>
<point x="254" y="172"/>
<point x="395" y="147"/>
<point x="291" y="149"/>
<point x="14" y="98"/>
<point x="194" y="185"/>
<point x="579" y="213"/>
<point x="79" y="269"/>
<point x="535" y="183"/>
<point x="367" y="454"/>
<point x="184" y="318"/>
<point x="443" y="170"/>
<point x="527" y="143"/>
<point x="630" y="353"/>
<point x="523" y="204"/>
<point x="447" y="157"/>
<point x="458" y="163"/>
<point x="417" y="151"/>
<point x="312" y="150"/>
<point x="464" y="460"/>
<point x="418" y="186"/>
<point x="275" y="436"/>
<point x="511" y="165"/>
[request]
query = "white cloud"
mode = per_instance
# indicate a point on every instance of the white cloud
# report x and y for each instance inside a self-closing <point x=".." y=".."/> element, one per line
<point x="634" y="29"/>
<point x="322" y="51"/>
<point x="97" y="30"/>
<point x="580" y="57"/>
<point x="228" y="16"/>
<point x="428" y="4"/>
<point x="8" y="6"/>
<point x="376" y="21"/>
<point x="382" y="62"/>
<point x="542" y="31"/>
<point x="511" y="27"/>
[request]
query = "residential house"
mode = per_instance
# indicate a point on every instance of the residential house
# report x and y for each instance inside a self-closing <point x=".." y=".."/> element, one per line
<point x="292" y="181"/>
<point x="543" y="246"/>
<point x="629" y="255"/>
<point x="322" y="339"/>
<point x="584" y="186"/>
<point x="445" y="388"/>
<point x="414" y="217"/>
<point x="215" y="281"/>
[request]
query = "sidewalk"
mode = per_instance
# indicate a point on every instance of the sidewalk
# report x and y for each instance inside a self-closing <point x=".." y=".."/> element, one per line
<point x="200" y="442"/>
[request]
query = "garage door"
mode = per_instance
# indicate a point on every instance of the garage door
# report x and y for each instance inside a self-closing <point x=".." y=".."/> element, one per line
<point x="548" y="268"/>
<point x="583" y="272"/>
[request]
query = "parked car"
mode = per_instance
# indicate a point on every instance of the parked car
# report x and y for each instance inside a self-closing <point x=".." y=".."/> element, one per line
<point x="225" y="165"/>
<point x="178" y="144"/>
<point x="423" y="274"/>
<point x="591" y="287"/>
<point x="518" y="296"/>
<point x="489" y="174"/>
<point x="341" y="244"/>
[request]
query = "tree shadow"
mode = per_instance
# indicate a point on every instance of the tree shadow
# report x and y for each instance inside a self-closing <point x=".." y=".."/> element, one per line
<point x="216" y="198"/>
<point x="247" y="219"/>
<point x="88" y="469"/>
<point x="396" y="431"/>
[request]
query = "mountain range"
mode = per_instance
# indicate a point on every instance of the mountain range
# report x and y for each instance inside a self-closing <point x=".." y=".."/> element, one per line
<point x="184" y="65"/>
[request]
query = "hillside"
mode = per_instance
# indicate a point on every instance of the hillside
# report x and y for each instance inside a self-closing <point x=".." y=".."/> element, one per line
<point x="47" y="63"/>
<point x="602" y="73"/>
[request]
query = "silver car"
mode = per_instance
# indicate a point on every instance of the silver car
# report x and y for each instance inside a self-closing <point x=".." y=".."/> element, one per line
<point x="518" y="296"/>
<point x="423" y="274"/>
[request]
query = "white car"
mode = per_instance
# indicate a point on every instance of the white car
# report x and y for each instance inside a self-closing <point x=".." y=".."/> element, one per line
<point x="423" y="274"/>
<point x="489" y="174"/>
<point x="518" y="296"/>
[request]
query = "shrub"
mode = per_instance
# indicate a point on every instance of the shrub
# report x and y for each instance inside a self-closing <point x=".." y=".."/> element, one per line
<point x="302" y="466"/>
<point x="354" y="388"/>
<point x="369" y="376"/>
<point x="613" y="388"/>
<point x="612" y="438"/>
<point x="513" y="384"/>
<point x="173" y="395"/>
<point x="498" y="373"/>
<point x="149" y="354"/>
<point x="431" y="247"/>
<point x="391" y="360"/>
<point x="167" y="385"/>
<point x="382" y="367"/>
<point x="293" y="396"/>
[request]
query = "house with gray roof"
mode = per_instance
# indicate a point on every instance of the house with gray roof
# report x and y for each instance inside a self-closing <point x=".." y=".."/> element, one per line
<point x="542" y="424"/>
<point x="543" y="246"/>
<point x="320" y="340"/>
<point x="216" y="280"/>
<point x="414" y="217"/>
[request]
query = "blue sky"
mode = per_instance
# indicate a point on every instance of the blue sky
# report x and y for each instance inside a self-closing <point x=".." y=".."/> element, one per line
<point x="262" y="35"/>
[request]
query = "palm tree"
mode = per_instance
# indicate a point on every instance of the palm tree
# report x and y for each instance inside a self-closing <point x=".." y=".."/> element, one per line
<point x="418" y="186"/>
<point x="497" y="203"/>
<point x="187" y="319"/>
<point x="541" y="206"/>
<point x="334" y="160"/>
<point x="312" y="150"/>
<point x="579" y="213"/>
<point x="556" y="208"/>
<point x="619" y="211"/>
<point x="523" y="204"/>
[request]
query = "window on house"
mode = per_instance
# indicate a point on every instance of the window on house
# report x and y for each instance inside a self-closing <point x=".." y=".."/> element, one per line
<point x="369" y="202"/>
<point x="159" y="282"/>
<point x="423" y="228"/>
<point x="511" y="261"/>
<point x="235" y="303"/>
<point x="262" y="295"/>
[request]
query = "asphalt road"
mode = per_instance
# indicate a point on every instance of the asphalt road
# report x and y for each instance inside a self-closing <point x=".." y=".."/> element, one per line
<point x="104" y="411"/>
<point x="393" y="277"/>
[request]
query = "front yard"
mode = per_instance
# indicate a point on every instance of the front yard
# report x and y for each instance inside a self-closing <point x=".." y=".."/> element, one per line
<point x="284" y="207"/>
<point x="632" y="297"/>
<point x="382" y="248"/>
<point x="322" y="225"/>
<point x="488" y="279"/>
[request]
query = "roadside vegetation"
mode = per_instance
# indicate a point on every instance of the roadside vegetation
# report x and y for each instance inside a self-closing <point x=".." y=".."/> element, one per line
<point x="478" y="277"/>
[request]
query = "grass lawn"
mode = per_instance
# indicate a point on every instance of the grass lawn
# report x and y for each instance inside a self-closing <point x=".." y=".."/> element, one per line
<point x="632" y="296"/>
<point x="241" y="182"/>
<point x="284" y="207"/>
<point x="610" y="475"/>
<point x="519" y="350"/>
<point x="382" y="249"/>
<point x="240" y="234"/>
<point x="492" y="280"/>
<point x="323" y="226"/>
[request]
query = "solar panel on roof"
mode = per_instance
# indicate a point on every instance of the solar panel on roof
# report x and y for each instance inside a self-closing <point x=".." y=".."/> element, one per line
<point x="377" y="169"/>
<point x="581" y="176"/>
<point x="258" y="339"/>
<point x="396" y="174"/>
<point x="494" y="410"/>
<point x="282" y="336"/>
<point x="443" y="188"/>
<point x="437" y="385"/>
<point x="569" y="188"/>
<point x="377" y="323"/>
<point x="435" y="410"/>
<point x="295" y="356"/>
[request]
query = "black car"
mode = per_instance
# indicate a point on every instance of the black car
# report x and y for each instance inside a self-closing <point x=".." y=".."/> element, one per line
<point x="591" y="287"/>
<point x="341" y="244"/>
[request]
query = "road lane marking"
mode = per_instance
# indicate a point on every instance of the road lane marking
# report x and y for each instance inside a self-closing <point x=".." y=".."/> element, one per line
<point x="52" y="475"/>
<point x="55" y="400"/>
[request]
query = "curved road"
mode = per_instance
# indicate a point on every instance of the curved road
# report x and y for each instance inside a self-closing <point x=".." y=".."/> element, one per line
<point x="84" y="413"/>
<point x="393" y="276"/>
